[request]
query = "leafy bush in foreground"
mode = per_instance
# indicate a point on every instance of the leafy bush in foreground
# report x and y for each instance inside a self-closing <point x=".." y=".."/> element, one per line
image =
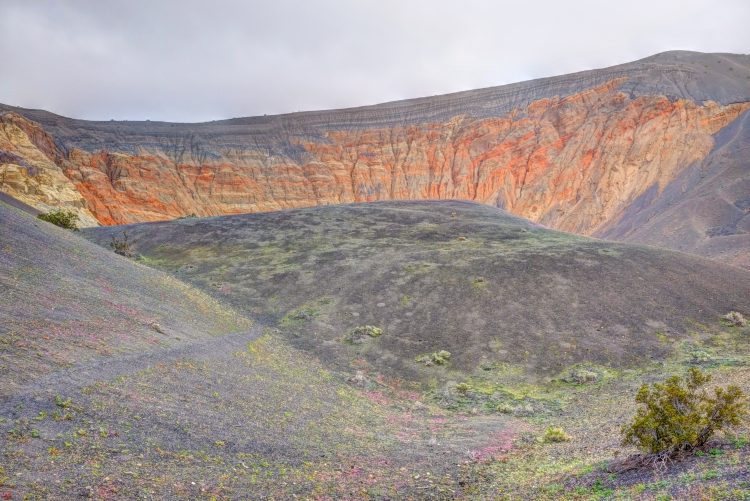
<point x="62" y="218"/>
<point x="679" y="414"/>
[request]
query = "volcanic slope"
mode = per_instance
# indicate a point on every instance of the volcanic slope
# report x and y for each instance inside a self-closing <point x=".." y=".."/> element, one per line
<point x="65" y="301"/>
<point x="119" y="381"/>
<point x="492" y="289"/>
<point x="600" y="152"/>
<point x="101" y="399"/>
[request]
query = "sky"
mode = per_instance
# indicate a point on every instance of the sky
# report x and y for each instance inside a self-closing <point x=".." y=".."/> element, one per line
<point x="188" y="61"/>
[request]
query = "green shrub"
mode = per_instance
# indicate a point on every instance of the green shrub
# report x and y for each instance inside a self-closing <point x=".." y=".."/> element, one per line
<point x="436" y="358"/>
<point x="463" y="388"/>
<point x="359" y="334"/>
<point x="679" y="414"/>
<point x="62" y="218"/>
<point x="555" y="435"/>
<point x="62" y="402"/>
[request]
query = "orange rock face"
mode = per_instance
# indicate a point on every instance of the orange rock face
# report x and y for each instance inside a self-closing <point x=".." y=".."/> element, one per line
<point x="572" y="163"/>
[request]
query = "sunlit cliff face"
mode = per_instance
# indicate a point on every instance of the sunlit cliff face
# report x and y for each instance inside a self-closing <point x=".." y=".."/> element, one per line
<point x="572" y="163"/>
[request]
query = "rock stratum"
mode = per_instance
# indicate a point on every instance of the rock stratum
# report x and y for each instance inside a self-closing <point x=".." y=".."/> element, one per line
<point x="652" y="151"/>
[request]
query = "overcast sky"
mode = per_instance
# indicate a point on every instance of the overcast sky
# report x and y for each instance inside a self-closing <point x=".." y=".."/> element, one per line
<point x="185" y="60"/>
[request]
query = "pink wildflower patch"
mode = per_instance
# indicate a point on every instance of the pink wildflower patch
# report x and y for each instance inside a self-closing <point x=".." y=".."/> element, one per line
<point x="378" y="397"/>
<point x="500" y="444"/>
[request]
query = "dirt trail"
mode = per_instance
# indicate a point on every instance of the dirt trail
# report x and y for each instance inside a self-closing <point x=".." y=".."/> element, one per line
<point x="37" y="395"/>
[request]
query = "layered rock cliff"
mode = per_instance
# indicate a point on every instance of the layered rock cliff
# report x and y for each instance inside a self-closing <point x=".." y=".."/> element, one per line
<point x="579" y="153"/>
<point x="30" y="169"/>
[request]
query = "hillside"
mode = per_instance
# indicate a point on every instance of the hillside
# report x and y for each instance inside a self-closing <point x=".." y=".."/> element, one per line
<point x="490" y="288"/>
<point x="67" y="301"/>
<point x="543" y="329"/>
<point x="120" y="381"/>
<point x="628" y="152"/>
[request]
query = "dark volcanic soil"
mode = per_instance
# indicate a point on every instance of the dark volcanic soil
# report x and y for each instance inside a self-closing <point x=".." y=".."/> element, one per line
<point x="490" y="288"/>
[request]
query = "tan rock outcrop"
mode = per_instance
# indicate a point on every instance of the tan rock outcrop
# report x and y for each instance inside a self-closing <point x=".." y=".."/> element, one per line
<point x="29" y="172"/>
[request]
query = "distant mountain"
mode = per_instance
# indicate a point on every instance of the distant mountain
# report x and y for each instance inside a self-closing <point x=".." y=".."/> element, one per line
<point x="652" y="151"/>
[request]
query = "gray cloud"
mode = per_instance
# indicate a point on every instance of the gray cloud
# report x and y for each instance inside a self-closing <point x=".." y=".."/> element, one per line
<point x="187" y="60"/>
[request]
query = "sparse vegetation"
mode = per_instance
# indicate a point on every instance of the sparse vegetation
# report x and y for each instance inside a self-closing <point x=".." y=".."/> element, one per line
<point x="555" y="435"/>
<point x="121" y="246"/>
<point x="435" y="358"/>
<point x="300" y="315"/>
<point x="305" y="313"/>
<point x="62" y="218"/>
<point x="700" y="357"/>
<point x="581" y="376"/>
<point x="680" y="415"/>
<point x="735" y="319"/>
<point x="500" y="416"/>
<point x="463" y="388"/>
<point x="479" y="283"/>
<point x="63" y="402"/>
<point x="359" y="334"/>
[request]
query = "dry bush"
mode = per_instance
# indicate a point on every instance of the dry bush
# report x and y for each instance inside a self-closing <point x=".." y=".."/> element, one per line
<point x="121" y="246"/>
<point x="735" y="319"/>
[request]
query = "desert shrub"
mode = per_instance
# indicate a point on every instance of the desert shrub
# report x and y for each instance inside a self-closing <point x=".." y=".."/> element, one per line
<point x="555" y="435"/>
<point x="302" y="314"/>
<point x="62" y="218"/>
<point x="362" y="332"/>
<point x="735" y="319"/>
<point x="121" y="246"/>
<point x="581" y="376"/>
<point x="700" y="357"/>
<point x="505" y="408"/>
<point x="463" y="388"/>
<point x="62" y="402"/>
<point x="436" y="358"/>
<point x="679" y="414"/>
